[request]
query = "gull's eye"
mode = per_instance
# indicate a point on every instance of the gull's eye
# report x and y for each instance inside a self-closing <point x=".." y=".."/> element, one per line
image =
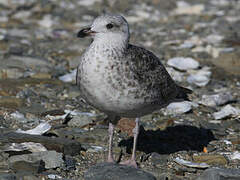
<point x="109" y="26"/>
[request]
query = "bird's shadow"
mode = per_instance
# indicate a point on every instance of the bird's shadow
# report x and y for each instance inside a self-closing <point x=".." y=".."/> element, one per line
<point x="170" y="140"/>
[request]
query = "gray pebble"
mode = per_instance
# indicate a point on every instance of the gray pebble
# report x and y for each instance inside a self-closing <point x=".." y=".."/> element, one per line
<point x="52" y="159"/>
<point x="216" y="99"/>
<point x="80" y="121"/>
<point x="111" y="171"/>
<point x="220" y="174"/>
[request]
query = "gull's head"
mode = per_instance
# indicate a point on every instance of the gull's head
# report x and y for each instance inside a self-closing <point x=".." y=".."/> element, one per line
<point x="107" y="27"/>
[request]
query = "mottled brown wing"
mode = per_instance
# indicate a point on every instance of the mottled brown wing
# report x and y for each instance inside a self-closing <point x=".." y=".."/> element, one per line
<point x="151" y="74"/>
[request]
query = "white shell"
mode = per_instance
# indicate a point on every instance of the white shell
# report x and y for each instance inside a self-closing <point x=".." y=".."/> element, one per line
<point x="183" y="63"/>
<point x="200" y="77"/>
<point x="216" y="99"/>
<point x="226" y="111"/>
<point x="39" y="130"/>
<point x="69" y="77"/>
<point x="191" y="164"/>
<point x="179" y="107"/>
<point x="235" y="155"/>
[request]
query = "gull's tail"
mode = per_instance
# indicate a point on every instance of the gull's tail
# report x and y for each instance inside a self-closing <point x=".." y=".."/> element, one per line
<point x="183" y="93"/>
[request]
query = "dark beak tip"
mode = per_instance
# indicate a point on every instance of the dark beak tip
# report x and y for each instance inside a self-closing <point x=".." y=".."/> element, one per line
<point x="80" y="34"/>
<point x="84" y="32"/>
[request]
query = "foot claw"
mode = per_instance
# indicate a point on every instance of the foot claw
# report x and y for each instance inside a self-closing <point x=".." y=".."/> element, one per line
<point x="129" y="163"/>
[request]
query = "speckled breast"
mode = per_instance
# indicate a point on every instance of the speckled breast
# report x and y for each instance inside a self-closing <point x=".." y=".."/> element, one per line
<point x="106" y="83"/>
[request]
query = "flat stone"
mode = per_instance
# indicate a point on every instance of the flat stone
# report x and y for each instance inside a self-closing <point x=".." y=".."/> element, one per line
<point x="159" y="160"/>
<point x="66" y="146"/>
<point x="211" y="159"/>
<point x="183" y="63"/>
<point x="112" y="171"/>
<point x="220" y="174"/>
<point x="226" y="111"/>
<point x="216" y="99"/>
<point x="51" y="159"/>
<point x="11" y="102"/>
<point x="80" y="120"/>
<point x="30" y="61"/>
<point x="21" y="164"/>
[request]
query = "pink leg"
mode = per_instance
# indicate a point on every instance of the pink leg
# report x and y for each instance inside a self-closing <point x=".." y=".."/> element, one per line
<point x="110" y="132"/>
<point x="132" y="161"/>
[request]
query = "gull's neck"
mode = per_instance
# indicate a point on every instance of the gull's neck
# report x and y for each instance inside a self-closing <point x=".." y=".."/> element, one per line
<point x="115" y="42"/>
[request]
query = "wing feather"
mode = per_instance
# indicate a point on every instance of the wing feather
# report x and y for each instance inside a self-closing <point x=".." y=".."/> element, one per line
<point x="151" y="74"/>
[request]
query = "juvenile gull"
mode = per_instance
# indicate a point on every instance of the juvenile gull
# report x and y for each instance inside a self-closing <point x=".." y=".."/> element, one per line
<point x="121" y="79"/>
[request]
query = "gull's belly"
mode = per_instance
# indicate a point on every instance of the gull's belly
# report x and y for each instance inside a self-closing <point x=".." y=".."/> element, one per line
<point x="106" y="90"/>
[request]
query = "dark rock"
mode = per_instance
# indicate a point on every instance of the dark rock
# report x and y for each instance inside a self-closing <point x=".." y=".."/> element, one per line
<point x="7" y="176"/>
<point x="159" y="159"/>
<point x="220" y="174"/>
<point x="70" y="162"/>
<point x="64" y="145"/>
<point x="111" y="171"/>
<point x="24" y="166"/>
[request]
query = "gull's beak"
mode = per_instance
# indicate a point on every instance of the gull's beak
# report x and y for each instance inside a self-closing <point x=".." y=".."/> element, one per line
<point x="85" y="32"/>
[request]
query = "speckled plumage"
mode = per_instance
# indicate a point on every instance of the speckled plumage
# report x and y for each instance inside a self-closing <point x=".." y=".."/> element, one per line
<point x="121" y="79"/>
<point x="124" y="80"/>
